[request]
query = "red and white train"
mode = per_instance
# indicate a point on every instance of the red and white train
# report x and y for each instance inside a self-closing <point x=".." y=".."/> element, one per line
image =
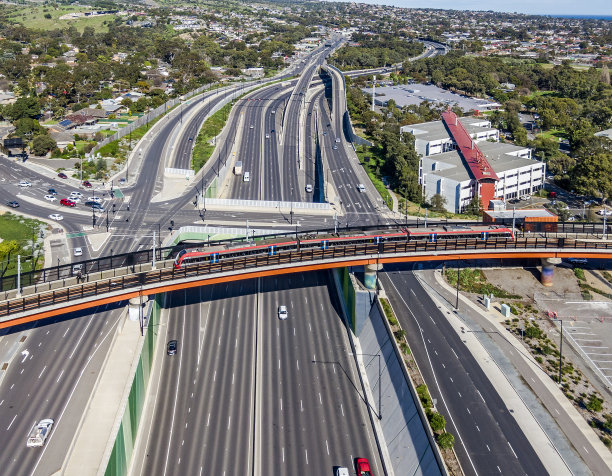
<point x="274" y="246"/>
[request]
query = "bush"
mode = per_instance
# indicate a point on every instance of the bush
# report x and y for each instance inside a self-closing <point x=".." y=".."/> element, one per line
<point x="594" y="404"/>
<point x="446" y="440"/>
<point x="424" y="396"/>
<point x="437" y="422"/>
<point x="579" y="273"/>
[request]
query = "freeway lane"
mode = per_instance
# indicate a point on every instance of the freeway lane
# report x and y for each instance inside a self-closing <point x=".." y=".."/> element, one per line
<point x="314" y="416"/>
<point x="239" y="369"/>
<point x="53" y="380"/>
<point x="203" y="418"/>
<point x="486" y="434"/>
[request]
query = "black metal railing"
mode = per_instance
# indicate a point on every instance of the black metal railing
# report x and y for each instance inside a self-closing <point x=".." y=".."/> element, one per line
<point x="239" y="263"/>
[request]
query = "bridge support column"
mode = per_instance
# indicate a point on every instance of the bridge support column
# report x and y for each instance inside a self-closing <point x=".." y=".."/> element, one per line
<point x="548" y="268"/>
<point x="135" y="307"/>
<point x="371" y="275"/>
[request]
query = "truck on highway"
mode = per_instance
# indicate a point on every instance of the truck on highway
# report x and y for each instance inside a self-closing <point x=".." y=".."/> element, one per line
<point x="238" y="168"/>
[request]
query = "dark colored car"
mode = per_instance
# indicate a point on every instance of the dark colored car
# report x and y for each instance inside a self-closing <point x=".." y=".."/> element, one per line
<point x="67" y="202"/>
<point x="13" y="204"/>
<point x="94" y="205"/>
<point x="172" y="345"/>
<point x="52" y="191"/>
<point x="62" y="175"/>
<point x="87" y="183"/>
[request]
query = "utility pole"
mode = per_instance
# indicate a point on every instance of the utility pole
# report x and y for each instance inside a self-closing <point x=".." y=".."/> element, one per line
<point x="457" y="304"/>
<point x="373" y="91"/>
<point x="18" y="275"/>
<point x="153" y="263"/>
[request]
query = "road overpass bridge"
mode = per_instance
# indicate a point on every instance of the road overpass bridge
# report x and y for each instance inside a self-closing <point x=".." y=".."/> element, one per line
<point x="143" y="280"/>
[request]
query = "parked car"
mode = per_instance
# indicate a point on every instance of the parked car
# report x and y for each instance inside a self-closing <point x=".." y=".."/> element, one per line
<point x="577" y="260"/>
<point x="13" y="204"/>
<point x="67" y="202"/>
<point x="56" y="217"/>
<point x="62" y="175"/>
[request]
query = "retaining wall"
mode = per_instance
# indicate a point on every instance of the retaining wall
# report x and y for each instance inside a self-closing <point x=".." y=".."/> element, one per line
<point x="121" y="453"/>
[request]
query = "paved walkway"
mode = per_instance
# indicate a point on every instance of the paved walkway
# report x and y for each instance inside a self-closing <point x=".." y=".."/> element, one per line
<point x="566" y="429"/>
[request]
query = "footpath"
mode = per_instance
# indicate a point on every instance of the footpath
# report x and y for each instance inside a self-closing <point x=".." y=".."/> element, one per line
<point x="566" y="430"/>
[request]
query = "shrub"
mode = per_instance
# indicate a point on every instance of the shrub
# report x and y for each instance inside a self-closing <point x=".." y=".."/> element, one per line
<point x="579" y="273"/>
<point x="446" y="440"/>
<point x="594" y="404"/>
<point x="437" y="422"/>
<point x="424" y="396"/>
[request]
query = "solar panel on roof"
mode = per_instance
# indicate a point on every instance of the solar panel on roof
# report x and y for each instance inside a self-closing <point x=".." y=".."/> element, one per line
<point x="65" y="122"/>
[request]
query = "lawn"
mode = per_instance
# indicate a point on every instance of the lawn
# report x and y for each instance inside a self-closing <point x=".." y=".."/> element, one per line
<point x="34" y="17"/>
<point x="554" y="133"/>
<point x="22" y="230"/>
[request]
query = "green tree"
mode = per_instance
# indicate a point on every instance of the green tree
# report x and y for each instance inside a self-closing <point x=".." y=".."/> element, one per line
<point x="438" y="202"/>
<point x="42" y="144"/>
<point x="7" y="248"/>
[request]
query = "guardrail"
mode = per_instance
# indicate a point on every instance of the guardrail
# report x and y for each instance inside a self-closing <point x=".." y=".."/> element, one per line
<point x="392" y="249"/>
<point x="54" y="273"/>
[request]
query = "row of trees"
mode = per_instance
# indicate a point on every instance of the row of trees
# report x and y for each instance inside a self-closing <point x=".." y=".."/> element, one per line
<point x="375" y="51"/>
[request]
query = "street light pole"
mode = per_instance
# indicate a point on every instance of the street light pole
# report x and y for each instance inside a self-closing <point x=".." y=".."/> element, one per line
<point x="457" y="304"/>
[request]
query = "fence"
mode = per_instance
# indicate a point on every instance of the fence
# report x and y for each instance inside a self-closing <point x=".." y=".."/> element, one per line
<point x="336" y="251"/>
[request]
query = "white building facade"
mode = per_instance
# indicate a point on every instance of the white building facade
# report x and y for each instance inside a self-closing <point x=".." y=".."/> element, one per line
<point x="442" y="170"/>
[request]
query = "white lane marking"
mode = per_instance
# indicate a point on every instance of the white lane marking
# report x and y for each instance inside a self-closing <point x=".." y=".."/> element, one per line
<point x="443" y="366"/>
<point x="42" y="371"/>
<point x="60" y="376"/>
<point x="233" y="375"/>
<point x="281" y="404"/>
<point x="342" y="409"/>
<point x="208" y="420"/>
<point x="301" y="406"/>
<point x="283" y="453"/>
<point x="585" y="449"/>
<point x="498" y="469"/>
<point x="488" y="448"/>
<point x="215" y="376"/>
<point x="454" y="352"/>
<point x="11" y="423"/>
<point x="451" y="379"/>
<point x="229" y="422"/>
<point x="327" y="446"/>
<point x="468" y="410"/>
<point x="279" y="364"/>
<point x="66" y="332"/>
<point x="481" y="396"/>
<point x="177" y="389"/>
<point x="477" y="428"/>
<point x="460" y="396"/>
<point x="512" y="450"/>
<point x="320" y="399"/>
<point x="306" y="452"/>
<point x="297" y="362"/>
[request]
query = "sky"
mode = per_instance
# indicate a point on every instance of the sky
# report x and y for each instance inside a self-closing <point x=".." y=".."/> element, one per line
<point x="537" y="7"/>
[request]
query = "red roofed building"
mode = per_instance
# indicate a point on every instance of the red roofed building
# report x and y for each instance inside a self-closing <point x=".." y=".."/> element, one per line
<point x="461" y="159"/>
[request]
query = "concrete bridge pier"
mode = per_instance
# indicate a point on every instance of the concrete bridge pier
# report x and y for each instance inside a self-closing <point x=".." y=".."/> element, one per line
<point x="371" y="275"/>
<point x="136" y="306"/>
<point x="548" y="268"/>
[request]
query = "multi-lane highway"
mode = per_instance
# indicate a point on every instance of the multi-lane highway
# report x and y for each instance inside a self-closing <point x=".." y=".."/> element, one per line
<point x="247" y="389"/>
<point x="488" y="437"/>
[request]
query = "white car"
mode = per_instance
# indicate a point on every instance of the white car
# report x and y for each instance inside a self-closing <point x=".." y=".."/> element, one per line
<point x="282" y="313"/>
<point x="95" y="199"/>
<point x="267" y="136"/>
<point x="39" y="433"/>
<point x="246" y="177"/>
<point x="56" y="217"/>
<point x="76" y="194"/>
<point x="308" y="188"/>
<point x="361" y="187"/>
<point x="50" y="198"/>
<point x="604" y="211"/>
<point x="24" y="183"/>
<point x="78" y="251"/>
<point x="251" y="126"/>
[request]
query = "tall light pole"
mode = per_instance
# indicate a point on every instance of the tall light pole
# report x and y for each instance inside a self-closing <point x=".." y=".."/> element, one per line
<point x="379" y="382"/>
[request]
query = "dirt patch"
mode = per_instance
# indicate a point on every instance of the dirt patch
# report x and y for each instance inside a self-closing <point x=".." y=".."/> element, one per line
<point x="526" y="282"/>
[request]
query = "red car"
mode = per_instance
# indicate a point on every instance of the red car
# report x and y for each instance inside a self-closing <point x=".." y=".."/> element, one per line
<point x="67" y="202"/>
<point x="62" y="175"/>
<point x="363" y="467"/>
<point x="87" y="184"/>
